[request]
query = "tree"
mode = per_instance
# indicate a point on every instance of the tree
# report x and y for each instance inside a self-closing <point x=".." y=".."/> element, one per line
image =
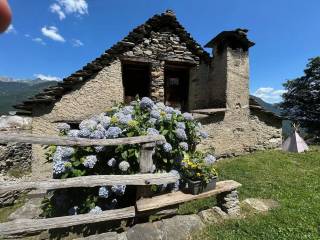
<point x="302" y="100"/>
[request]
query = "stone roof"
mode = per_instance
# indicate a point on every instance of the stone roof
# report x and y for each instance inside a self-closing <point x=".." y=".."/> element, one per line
<point x="234" y="39"/>
<point x="136" y="36"/>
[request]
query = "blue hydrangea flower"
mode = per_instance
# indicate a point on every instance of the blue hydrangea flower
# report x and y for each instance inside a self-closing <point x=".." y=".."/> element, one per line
<point x="146" y="103"/>
<point x="177" y="112"/>
<point x="112" y="162"/>
<point x="152" y="131"/>
<point x="88" y="124"/>
<point x="169" y="110"/>
<point x="187" y="116"/>
<point x="127" y="110"/>
<point x="160" y="105"/>
<point x="123" y="119"/>
<point x="99" y="148"/>
<point x="62" y="127"/>
<point x="155" y="114"/>
<point x="63" y="152"/>
<point x="209" y="159"/>
<point x="84" y="133"/>
<point x="113" y="132"/>
<point x="124" y="166"/>
<point x="96" y="210"/>
<point x="118" y="189"/>
<point x="168" y="117"/>
<point x="57" y="156"/>
<point x="152" y="121"/>
<point x="73" y="133"/>
<point x="101" y="128"/>
<point x="184" y="146"/>
<point x="181" y="125"/>
<point x="90" y="161"/>
<point x="97" y="134"/>
<point x="58" y="167"/>
<point x="167" y="147"/>
<point x="103" y="192"/>
<point x="181" y="134"/>
<point x="105" y="121"/>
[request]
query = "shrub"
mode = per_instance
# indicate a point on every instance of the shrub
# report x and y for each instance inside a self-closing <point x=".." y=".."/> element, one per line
<point x="141" y="117"/>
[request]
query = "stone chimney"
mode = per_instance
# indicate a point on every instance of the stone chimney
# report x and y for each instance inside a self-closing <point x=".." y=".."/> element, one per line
<point x="228" y="81"/>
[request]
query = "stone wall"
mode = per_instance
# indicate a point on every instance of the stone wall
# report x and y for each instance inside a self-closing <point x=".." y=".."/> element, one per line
<point x="15" y="158"/>
<point x="161" y="48"/>
<point x="232" y="138"/>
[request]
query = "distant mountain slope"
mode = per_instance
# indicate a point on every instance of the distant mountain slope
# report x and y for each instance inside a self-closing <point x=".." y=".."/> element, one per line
<point x="15" y="91"/>
<point x="268" y="106"/>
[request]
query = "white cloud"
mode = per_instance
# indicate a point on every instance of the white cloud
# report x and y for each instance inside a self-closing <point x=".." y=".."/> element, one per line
<point x="55" y="8"/>
<point x="269" y="94"/>
<point x="11" y="29"/>
<point x="52" y="33"/>
<point x="64" y="7"/>
<point x="47" y="77"/>
<point x="39" y="40"/>
<point x="27" y="35"/>
<point x="76" y="43"/>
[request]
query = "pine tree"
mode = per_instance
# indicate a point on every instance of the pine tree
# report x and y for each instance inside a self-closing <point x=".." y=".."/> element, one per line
<point x="302" y="100"/>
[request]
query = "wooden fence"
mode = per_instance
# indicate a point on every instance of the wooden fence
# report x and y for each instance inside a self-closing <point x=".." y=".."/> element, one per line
<point x="144" y="204"/>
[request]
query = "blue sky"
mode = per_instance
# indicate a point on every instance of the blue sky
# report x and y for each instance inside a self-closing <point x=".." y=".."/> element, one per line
<point x="57" y="37"/>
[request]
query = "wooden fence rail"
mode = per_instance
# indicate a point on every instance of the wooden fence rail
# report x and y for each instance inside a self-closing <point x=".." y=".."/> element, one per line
<point x="91" y="181"/>
<point x="35" y="225"/>
<point x="81" y="142"/>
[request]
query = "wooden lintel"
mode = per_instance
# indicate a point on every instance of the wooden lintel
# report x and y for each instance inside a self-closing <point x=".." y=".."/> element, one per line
<point x="209" y="111"/>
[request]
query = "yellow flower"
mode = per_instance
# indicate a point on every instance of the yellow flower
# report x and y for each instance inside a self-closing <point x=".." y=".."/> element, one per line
<point x="132" y="123"/>
<point x="198" y="174"/>
<point x="114" y="119"/>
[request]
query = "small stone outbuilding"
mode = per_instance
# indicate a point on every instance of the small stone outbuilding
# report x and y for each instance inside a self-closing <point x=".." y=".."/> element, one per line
<point x="160" y="59"/>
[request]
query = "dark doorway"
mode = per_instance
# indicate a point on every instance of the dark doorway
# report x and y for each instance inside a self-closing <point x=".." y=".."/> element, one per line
<point x="177" y="86"/>
<point x="136" y="80"/>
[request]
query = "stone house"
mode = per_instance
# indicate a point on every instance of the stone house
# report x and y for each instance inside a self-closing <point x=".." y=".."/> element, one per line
<point x="160" y="59"/>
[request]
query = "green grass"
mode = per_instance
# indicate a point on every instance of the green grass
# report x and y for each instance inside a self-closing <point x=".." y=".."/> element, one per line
<point x="291" y="179"/>
<point x="6" y="211"/>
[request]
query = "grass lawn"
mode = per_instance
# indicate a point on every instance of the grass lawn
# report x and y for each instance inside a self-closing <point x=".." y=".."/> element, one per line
<point x="291" y="179"/>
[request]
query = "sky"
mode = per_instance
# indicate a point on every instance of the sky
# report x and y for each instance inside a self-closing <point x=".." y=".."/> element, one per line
<point x="51" y="39"/>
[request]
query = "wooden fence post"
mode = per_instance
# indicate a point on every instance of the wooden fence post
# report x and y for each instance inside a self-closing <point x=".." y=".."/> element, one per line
<point x="146" y="165"/>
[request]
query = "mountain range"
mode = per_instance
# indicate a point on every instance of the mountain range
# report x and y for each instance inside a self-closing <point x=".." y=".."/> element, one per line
<point x="14" y="91"/>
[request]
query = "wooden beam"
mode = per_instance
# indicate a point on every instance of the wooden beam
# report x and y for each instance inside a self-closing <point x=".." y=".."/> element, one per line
<point x="209" y="111"/>
<point x="35" y="225"/>
<point x="145" y="164"/>
<point x="91" y="181"/>
<point x="173" y="198"/>
<point x="72" y="141"/>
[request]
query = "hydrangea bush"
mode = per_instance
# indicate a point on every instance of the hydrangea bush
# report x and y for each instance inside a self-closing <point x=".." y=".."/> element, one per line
<point x="141" y="117"/>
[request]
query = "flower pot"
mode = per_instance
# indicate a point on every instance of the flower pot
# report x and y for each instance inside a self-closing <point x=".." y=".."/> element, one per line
<point x="197" y="187"/>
